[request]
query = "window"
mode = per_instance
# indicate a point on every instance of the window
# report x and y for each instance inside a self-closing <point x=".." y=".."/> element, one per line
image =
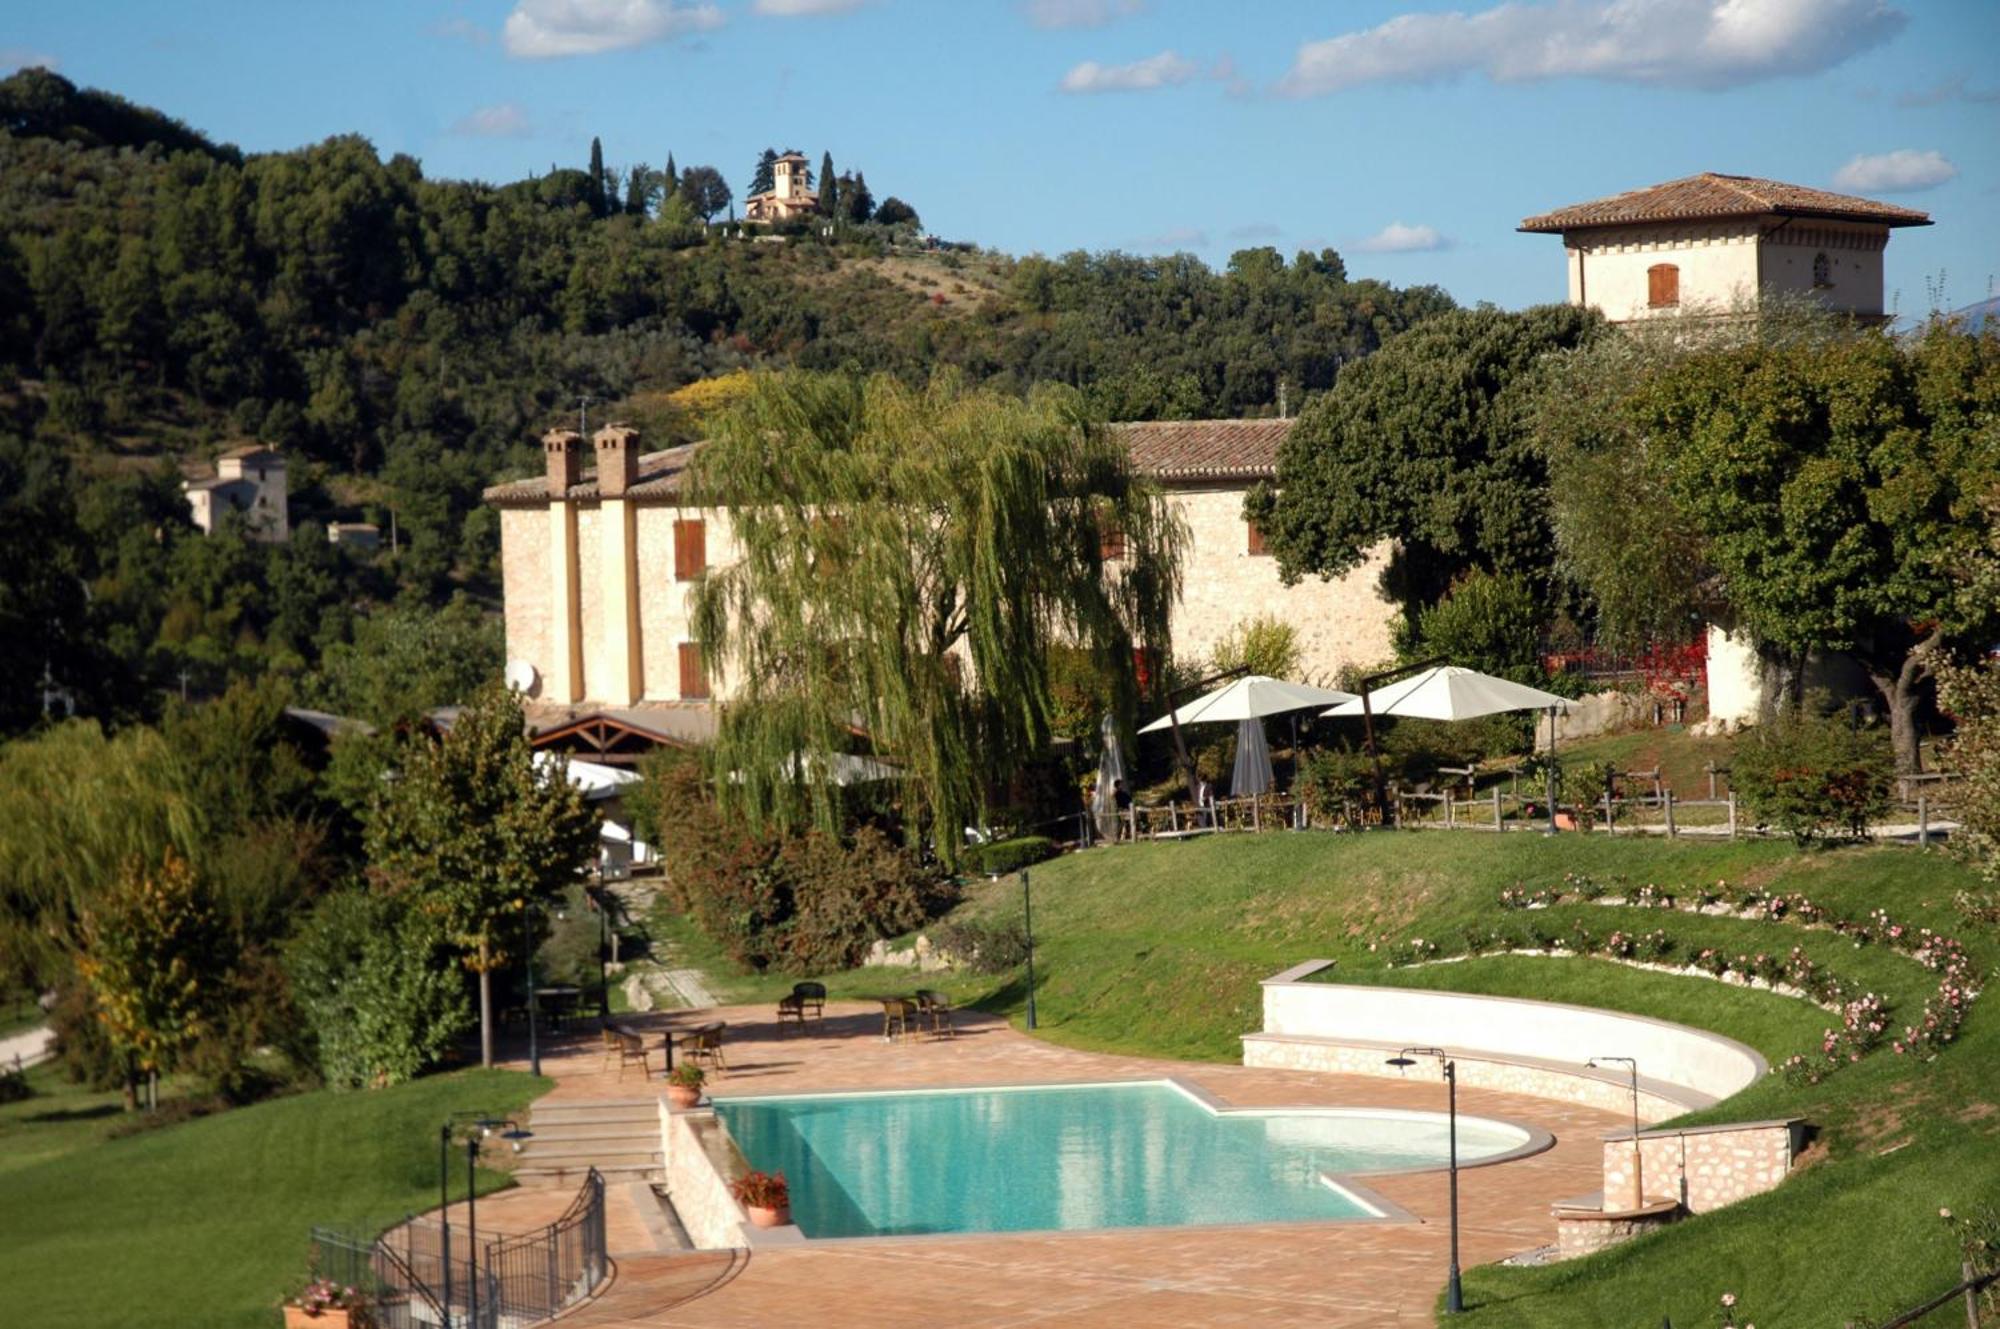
<point x="690" y="549"/>
<point x="694" y="678"/>
<point x="1663" y="285"/>
<point x="1110" y="539"/>
<point x="1254" y="544"/>
<point x="1822" y="270"/>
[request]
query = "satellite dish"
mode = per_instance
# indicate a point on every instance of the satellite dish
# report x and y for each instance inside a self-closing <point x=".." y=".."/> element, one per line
<point x="521" y="676"/>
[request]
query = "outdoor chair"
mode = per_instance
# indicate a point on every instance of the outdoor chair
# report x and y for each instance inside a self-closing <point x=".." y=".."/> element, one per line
<point x="896" y="1015"/>
<point x="791" y="1007"/>
<point x="703" y="1046"/>
<point x="630" y="1048"/>
<point x="811" y="998"/>
<point x="937" y="1009"/>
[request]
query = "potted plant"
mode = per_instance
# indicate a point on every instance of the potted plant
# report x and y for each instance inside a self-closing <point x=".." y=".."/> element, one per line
<point x="684" y="1085"/>
<point x="765" y="1196"/>
<point x="325" y="1304"/>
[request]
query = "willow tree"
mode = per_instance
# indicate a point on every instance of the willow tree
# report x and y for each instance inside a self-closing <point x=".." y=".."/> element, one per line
<point x="907" y="558"/>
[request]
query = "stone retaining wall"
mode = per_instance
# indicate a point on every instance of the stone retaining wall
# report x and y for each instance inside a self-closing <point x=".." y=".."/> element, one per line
<point x="1706" y="1167"/>
<point x="700" y="1160"/>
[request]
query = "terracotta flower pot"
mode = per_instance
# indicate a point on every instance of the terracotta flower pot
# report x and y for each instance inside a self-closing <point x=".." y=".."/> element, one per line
<point x="683" y="1095"/>
<point x="762" y="1217"/>
<point x="298" y="1317"/>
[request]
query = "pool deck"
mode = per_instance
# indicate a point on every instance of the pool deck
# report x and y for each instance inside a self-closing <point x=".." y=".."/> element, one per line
<point x="1328" y="1274"/>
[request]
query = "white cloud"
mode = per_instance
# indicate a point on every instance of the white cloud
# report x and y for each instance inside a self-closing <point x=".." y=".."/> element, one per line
<point x="1155" y="71"/>
<point x="1678" y="43"/>
<point x="1174" y="239"/>
<point x="1396" y="238"/>
<point x="539" y="29"/>
<point x="503" y="120"/>
<point x="804" y="8"/>
<point x="20" y="57"/>
<point x="1078" y="13"/>
<point x="1904" y="171"/>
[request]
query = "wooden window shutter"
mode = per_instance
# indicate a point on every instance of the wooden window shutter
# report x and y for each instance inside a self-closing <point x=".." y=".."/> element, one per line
<point x="690" y="549"/>
<point x="694" y="678"/>
<point x="1663" y="285"/>
<point x="1255" y="543"/>
<point x="1110" y="540"/>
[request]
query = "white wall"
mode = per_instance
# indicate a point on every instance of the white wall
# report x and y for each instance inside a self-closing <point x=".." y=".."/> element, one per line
<point x="1608" y="267"/>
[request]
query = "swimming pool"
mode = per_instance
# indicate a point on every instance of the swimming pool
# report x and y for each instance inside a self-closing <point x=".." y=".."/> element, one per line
<point x="1028" y="1159"/>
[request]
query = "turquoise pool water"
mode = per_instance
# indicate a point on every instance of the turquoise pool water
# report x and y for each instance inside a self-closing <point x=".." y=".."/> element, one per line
<point x="1088" y="1156"/>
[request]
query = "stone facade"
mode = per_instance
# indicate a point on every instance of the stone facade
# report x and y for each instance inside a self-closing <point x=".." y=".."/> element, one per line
<point x="597" y="605"/>
<point x="701" y="1159"/>
<point x="249" y="480"/>
<point x="1706" y="1167"/>
<point x="1584" y="1231"/>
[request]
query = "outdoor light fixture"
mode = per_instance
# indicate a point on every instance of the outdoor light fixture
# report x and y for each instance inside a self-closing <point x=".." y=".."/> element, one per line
<point x="471" y="1127"/>
<point x="1028" y="926"/>
<point x="1632" y="1066"/>
<point x="1454" y="1299"/>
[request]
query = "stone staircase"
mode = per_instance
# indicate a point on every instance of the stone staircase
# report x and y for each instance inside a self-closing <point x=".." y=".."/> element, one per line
<point x="618" y="1137"/>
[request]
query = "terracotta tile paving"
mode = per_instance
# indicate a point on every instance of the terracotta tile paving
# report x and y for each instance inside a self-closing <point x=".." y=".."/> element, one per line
<point x="1338" y="1274"/>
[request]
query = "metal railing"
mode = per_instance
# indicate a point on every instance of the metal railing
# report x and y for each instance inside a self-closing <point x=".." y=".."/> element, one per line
<point x="518" y="1280"/>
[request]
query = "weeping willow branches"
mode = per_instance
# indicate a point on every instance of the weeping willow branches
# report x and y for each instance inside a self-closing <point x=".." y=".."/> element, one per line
<point x="905" y="559"/>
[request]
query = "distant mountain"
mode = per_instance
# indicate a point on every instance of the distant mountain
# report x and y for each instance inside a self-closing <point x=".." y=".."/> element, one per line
<point x="1977" y="318"/>
<point x="36" y="103"/>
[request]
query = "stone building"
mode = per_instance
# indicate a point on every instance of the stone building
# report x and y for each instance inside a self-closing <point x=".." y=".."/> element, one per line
<point x="1722" y="242"/>
<point x="597" y="567"/>
<point x="789" y="195"/>
<point x="250" y="480"/>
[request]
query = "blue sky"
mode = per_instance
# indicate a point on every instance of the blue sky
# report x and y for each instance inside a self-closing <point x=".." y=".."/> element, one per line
<point x="1413" y="138"/>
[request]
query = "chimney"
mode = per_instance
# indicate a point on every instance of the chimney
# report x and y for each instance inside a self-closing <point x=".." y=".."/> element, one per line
<point x="564" y="453"/>
<point x="617" y="459"/>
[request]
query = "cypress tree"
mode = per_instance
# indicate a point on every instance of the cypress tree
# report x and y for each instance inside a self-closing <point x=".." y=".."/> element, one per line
<point x="855" y="200"/>
<point x="594" y="191"/>
<point x="827" y="187"/>
<point x="672" y="184"/>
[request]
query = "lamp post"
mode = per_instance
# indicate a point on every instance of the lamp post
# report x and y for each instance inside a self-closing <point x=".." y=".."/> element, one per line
<point x="1454" y="1299"/>
<point x="472" y="1128"/>
<point x="1028" y="925"/>
<point x="1637" y="1194"/>
<point x="602" y="900"/>
<point x="534" y="1016"/>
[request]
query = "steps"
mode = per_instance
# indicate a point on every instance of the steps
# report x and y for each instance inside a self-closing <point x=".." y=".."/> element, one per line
<point x="618" y="1137"/>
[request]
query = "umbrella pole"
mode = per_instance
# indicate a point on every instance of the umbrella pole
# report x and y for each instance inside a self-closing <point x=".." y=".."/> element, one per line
<point x="1551" y="769"/>
<point x="1374" y="756"/>
<point x="1187" y="765"/>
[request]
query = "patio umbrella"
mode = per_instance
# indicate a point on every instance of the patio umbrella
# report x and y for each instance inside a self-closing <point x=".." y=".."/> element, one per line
<point x="1450" y="692"/>
<point x="1110" y="770"/>
<point x="1249" y="698"/>
<point x="1252" y="774"/>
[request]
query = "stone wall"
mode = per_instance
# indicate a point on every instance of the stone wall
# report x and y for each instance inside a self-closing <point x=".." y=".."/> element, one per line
<point x="701" y="1160"/>
<point x="1706" y="1167"/>
<point x="525" y="573"/>
<point x="1587" y="1231"/>
<point x="1340" y="622"/>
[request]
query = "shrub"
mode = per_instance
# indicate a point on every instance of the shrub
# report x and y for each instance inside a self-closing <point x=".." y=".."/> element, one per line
<point x="381" y="998"/>
<point x="1488" y="623"/>
<point x="1261" y="645"/>
<point x="1332" y="778"/>
<point x="761" y="1190"/>
<point x="14" y="1086"/>
<point x="1809" y="775"/>
<point x="983" y="948"/>
<point x="1006" y="856"/>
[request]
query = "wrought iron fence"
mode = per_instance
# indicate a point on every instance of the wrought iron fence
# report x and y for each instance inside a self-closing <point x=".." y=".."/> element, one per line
<point x="421" y="1275"/>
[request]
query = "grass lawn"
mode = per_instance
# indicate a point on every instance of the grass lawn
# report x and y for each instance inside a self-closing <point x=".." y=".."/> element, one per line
<point x="1158" y="949"/>
<point x="204" y="1222"/>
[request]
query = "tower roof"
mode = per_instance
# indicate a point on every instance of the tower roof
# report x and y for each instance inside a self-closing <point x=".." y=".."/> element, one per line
<point x="1713" y="196"/>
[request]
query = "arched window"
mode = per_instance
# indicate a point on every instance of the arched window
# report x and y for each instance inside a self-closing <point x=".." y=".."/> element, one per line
<point x="1822" y="271"/>
<point x="1663" y="285"/>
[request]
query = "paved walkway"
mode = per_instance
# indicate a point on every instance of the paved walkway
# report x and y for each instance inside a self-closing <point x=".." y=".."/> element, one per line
<point x="30" y="1045"/>
<point x="1331" y="1274"/>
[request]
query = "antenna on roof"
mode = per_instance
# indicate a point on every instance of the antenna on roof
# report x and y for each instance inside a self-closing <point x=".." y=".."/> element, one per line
<point x="582" y="414"/>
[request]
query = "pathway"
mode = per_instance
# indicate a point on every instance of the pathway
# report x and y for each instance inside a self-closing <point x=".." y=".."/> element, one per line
<point x="29" y="1046"/>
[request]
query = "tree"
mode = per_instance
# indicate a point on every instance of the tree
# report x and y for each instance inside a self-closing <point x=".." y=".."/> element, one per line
<point x="1492" y="624"/>
<point x="829" y="188"/>
<point x="404" y="660"/>
<point x="670" y="180"/>
<point x="152" y="956"/>
<point x="856" y="203"/>
<point x="705" y="191"/>
<point x="909" y="558"/>
<point x="380" y="1002"/>
<point x="895" y="212"/>
<point x="764" y="179"/>
<point x="642" y="186"/>
<point x="1841" y="481"/>
<point x="475" y="832"/>
<point x="1971" y="693"/>
<point x="1424" y="443"/>
<point x="595" y="192"/>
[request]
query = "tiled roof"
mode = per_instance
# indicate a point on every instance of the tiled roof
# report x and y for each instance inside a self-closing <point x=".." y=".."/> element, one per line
<point x="248" y="450"/>
<point x="1205" y="449"/>
<point x="659" y="477"/>
<point x="1710" y="195"/>
<point x="1164" y="449"/>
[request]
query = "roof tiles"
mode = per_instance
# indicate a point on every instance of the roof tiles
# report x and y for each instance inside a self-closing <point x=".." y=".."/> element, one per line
<point x="1712" y="195"/>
